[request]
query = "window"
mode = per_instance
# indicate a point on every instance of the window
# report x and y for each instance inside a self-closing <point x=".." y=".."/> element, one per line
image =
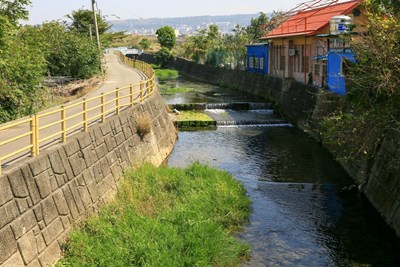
<point x="282" y="60"/>
<point x="306" y="64"/>
<point x="261" y="63"/>
<point x="256" y="63"/>
<point x="251" y="62"/>
<point x="297" y="59"/>
<point x="317" y="69"/>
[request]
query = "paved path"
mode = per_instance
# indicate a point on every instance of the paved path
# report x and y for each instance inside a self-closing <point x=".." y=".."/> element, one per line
<point x="118" y="75"/>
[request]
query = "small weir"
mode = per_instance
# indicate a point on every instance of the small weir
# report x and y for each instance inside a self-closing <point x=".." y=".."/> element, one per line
<point x="237" y="114"/>
<point x="237" y="117"/>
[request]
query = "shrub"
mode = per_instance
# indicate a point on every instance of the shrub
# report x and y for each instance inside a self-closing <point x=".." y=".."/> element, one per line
<point x="143" y="125"/>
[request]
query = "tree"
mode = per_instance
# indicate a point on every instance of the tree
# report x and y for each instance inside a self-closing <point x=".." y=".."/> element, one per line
<point x="256" y="30"/>
<point x="145" y="44"/>
<point x="166" y="37"/>
<point x="163" y="56"/>
<point x="83" y="22"/>
<point x="14" y="10"/>
<point x="371" y="112"/>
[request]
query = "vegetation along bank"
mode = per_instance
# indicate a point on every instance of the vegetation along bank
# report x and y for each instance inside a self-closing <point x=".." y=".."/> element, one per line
<point x="165" y="217"/>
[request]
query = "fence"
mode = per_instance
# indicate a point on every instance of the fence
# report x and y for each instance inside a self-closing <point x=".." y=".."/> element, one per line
<point x="56" y="125"/>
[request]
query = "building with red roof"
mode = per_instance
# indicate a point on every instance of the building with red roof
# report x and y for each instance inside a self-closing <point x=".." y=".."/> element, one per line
<point x="308" y="36"/>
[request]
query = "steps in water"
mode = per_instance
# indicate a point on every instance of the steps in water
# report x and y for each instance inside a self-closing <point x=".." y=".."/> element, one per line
<point x="276" y="122"/>
<point x="232" y="114"/>
<point x="232" y="106"/>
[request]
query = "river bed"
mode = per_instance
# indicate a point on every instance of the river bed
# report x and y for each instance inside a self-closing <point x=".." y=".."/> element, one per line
<point x="306" y="209"/>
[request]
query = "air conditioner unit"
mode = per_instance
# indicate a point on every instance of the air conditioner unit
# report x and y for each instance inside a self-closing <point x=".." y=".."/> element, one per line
<point x="293" y="52"/>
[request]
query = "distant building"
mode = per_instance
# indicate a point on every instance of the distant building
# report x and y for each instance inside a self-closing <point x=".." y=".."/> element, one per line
<point x="306" y="47"/>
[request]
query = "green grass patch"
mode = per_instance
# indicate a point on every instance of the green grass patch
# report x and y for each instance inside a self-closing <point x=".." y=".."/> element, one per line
<point x="166" y="217"/>
<point x="175" y="90"/>
<point x="192" y="115"/>
<point x="166" y="73"/>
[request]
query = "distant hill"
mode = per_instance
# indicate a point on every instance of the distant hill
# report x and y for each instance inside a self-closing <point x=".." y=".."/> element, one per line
<point x="185" y="25"/>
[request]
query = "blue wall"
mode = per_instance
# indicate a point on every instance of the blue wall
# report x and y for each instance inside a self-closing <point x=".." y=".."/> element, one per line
<point x="257" y="58"/>
<point x="336" y="75"/>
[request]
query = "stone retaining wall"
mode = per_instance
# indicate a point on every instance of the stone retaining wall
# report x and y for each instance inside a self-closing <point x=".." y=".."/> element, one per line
<point x="41" y="199"/>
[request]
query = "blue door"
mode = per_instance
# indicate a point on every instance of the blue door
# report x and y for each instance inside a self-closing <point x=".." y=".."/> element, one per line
<point x="335" y="77"/>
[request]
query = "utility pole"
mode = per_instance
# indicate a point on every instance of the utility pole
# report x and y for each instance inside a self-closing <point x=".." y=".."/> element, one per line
<point x="95" y="23"/>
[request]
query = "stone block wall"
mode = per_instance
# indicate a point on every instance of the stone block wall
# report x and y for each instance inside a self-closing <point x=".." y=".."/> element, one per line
<point x="42" y="198"/>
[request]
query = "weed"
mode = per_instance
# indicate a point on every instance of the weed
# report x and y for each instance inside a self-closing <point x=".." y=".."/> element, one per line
<point x="166" y="217"/>
<point x="143" y="125"/>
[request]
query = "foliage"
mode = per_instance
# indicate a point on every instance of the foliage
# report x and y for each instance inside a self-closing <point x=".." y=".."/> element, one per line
<point x="145" y="44"/>
<point x="166" y="73"/>
<point x="165" y="217"/>
<point x="14" y="10"/>
<point x="256" y="28"/>
<point x="166" y="37"/>
<point x="192" y="115"/>
<point x="164" y="90"/>
<point x="22" y="66"/>
<point x="209" y="46"/>
<point x="83" y="22"/>
<point x="371" y="113"/>
<point x="163" y="56"/>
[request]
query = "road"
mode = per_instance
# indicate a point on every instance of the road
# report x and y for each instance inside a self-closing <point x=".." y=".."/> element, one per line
<point x="118" y="75"/>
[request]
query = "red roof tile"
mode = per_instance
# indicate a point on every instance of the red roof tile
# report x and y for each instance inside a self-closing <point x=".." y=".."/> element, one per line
<point x="311" y="21"/>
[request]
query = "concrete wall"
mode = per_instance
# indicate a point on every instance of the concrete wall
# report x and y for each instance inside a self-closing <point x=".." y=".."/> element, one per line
<point x="41" y="199"/>
<point x="304" y="106"/>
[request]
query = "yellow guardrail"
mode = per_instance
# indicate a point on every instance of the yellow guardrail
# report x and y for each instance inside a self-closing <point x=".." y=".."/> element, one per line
<point x="85" y="112"/>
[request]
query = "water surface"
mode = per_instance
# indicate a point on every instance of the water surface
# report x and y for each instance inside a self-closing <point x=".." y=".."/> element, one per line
<point x="306" y="211"/>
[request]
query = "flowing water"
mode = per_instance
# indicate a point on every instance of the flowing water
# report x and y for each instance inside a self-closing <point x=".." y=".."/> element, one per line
<point x="306" y="210"/>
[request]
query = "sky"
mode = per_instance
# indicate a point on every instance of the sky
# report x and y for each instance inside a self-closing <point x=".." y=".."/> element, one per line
<point x="47" y="10"/>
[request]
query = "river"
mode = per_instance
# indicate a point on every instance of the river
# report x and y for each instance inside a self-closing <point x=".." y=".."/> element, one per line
<point x="306" y="209"/>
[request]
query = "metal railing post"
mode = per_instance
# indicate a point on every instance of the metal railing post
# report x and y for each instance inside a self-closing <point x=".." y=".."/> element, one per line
<point x="36" y="129"/>
<point x="103" y="115"/>
<point x="64" y="124"/>
<point x="85" y="116"/>
<point x="33" y="135"/>
<point x="117" y="101"/>
<point x="131" y="94"/>
<point x="141" y="91"/>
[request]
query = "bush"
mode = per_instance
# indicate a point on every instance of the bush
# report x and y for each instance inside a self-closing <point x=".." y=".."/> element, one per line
<point x="163" y="57"/>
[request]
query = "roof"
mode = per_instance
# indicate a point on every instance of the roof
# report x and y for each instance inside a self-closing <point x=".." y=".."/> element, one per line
<point x="312" y="21"/>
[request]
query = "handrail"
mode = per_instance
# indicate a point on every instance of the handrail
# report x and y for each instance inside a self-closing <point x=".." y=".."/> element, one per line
<point x="120" y="98"/>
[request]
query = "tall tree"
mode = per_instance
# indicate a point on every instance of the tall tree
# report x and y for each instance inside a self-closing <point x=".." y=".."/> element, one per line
<point x="14" y="10"/>
<point x="166" y="37"/>
<point x="83" y="22"/>
<point x="256" y="30"/>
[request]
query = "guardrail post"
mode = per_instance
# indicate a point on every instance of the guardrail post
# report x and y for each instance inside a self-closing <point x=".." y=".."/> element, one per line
<point x="103" y="115"/>
<point x="153" y="84"/>
<point x="36" y="138"/>
<point x="64" y="124"/>
<point x="131" y="94"/>
<point x="141" y="91"/>
<point x="33" y="135"/>
<point x="117" y="101"/>
<point x="85" y="116"/>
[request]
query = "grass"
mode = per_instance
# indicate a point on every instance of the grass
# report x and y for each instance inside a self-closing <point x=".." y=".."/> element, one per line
<point x="164" y="73"/>
<point x="190" y="115"/>
<point x="166" y="217"/>
<point x="176" y="90"/>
